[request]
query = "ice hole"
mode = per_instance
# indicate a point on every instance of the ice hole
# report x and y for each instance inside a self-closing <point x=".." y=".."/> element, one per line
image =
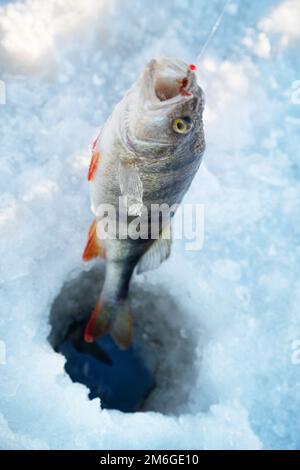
<point x="158" y="372"/>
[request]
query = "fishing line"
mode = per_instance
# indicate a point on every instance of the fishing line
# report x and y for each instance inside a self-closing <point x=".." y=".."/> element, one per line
<point x="213" y="31"/>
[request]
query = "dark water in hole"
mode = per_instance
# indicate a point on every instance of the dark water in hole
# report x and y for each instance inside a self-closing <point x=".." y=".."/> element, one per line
<point x="119" y="378"/>
<point x="157" y="373"/>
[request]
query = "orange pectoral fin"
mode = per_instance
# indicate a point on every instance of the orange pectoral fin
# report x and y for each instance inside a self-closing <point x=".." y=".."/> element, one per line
<point x="93" y="165"/>
<point x="93" y="247"/>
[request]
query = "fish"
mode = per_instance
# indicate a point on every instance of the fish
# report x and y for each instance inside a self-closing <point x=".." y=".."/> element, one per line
<point x="146" y="155"/>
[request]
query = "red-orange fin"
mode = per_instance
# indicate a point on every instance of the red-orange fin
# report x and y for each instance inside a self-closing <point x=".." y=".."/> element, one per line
<point x="93" y="247"/>
<point x="88" y="333"/>
<point x="93" y="165"/>
<point x="119" y="325"/>
<point x="98" y="324"/>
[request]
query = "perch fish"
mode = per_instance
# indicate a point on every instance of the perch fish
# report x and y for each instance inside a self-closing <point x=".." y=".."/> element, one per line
<point x="146" y="154"/>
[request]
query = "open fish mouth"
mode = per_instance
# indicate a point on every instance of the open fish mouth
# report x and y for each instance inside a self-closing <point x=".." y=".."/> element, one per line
<point x="166" y="88"/>
<point x="168" y="81"/>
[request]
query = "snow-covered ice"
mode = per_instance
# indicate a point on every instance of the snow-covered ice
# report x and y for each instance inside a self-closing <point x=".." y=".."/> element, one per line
<point x="64" y="65"/>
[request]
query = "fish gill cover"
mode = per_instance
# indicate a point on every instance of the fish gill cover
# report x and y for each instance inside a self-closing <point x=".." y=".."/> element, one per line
<point x="236" y="366"/>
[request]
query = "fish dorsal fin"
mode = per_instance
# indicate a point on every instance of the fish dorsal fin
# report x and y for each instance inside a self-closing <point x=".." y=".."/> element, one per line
<point x="131" y="187"/>
<point x="159" y="251"/>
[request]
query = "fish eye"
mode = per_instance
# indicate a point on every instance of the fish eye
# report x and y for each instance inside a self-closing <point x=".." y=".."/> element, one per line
<point x="182" y="125"/>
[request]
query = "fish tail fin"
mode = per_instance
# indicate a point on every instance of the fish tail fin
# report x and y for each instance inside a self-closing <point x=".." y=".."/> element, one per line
<point x="112" y="318"/>
<point x="122" y="328"/>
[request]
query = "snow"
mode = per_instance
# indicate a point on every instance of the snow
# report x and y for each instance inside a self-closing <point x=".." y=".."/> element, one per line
<point x="237" y="310"/>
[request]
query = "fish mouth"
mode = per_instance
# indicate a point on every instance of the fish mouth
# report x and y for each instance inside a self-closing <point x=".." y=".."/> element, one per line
<point x="168" y="81"/>
<point x="166" y="87"/>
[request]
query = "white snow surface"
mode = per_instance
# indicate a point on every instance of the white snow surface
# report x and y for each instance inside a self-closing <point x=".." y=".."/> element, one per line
<point x="65" y="65"/>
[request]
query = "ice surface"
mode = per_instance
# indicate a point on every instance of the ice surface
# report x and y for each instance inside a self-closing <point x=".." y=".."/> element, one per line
<point x="64" y="68"/>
